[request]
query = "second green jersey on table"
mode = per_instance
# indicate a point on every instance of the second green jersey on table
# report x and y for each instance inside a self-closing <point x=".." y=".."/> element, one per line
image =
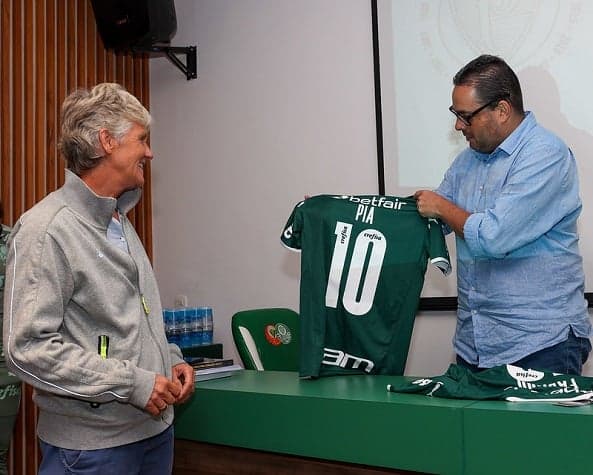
<point x="362" y="270"/>
<point x="506" y="382"/>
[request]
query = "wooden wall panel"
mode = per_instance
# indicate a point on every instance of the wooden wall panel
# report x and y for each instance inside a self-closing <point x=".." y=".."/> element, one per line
<point x="47" y="49"/>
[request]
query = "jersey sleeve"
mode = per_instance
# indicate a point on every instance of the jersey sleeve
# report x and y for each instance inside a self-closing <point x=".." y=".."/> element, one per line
<point x="291" y="236"/>
<point x="438" y="252"/>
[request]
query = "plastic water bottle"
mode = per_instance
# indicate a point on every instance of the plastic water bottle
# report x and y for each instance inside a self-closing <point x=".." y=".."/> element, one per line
<point x="196" y="326"/>
<point x="208" y="324"/>
<point x="172" y="327"/>
<point x="182" y="317"/>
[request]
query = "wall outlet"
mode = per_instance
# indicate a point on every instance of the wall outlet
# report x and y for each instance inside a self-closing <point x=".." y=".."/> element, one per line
<point x="181" y="301"/>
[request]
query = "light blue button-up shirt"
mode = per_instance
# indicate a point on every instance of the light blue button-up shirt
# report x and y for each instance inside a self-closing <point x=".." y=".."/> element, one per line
<point x="520" y="276"/>
<point x="115" y="234"/>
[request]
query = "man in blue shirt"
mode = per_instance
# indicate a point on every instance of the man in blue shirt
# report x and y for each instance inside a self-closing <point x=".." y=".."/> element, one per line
<point x="512" y="199"/>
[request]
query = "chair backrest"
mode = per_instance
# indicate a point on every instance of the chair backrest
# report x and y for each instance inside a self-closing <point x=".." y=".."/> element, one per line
<point x="267" y="338"/>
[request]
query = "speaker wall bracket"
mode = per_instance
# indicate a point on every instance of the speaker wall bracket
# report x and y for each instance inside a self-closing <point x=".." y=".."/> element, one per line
<point x="190" y="68"/>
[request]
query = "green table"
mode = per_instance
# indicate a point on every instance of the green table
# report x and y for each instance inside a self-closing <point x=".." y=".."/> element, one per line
<point x="351" y="419"/>
<point x="524" y="438"/>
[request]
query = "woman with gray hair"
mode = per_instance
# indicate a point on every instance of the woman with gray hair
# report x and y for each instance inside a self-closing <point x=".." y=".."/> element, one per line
<point x="83" y="314"/>
<point x="108" y="107"/>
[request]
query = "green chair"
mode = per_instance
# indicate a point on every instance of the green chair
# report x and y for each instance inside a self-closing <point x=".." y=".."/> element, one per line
<point x="267" y="338"/>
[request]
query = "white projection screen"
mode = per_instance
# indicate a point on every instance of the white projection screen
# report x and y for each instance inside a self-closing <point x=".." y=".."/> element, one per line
<point x="422" y="44"/>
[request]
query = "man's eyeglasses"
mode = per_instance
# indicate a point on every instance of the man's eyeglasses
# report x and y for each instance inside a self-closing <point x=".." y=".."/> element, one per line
<point x="466" y="117"/>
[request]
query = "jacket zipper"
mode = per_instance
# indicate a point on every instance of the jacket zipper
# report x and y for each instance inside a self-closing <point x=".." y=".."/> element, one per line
<point x="143" y="301"/>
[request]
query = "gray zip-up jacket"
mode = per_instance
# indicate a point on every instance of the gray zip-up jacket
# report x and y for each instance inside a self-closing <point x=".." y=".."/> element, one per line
<point x="66" y="285"/>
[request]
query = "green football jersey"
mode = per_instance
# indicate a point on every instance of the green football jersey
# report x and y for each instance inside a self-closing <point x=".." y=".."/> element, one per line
<point x="362" y="269"/>
<point x="506" y="382"/>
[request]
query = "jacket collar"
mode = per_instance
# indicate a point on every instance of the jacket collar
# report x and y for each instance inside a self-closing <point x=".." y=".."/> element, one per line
<point x="95" y="208"/>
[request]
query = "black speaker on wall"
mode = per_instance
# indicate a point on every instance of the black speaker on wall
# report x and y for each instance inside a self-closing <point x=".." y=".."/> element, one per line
<point x="125" y="24"/>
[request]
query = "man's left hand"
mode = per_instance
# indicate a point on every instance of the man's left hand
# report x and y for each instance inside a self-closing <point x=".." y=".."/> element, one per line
<point x="184" y="373"/>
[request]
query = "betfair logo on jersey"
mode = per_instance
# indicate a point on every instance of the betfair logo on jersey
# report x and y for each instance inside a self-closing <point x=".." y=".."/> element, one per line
<point x="344" y="360"/>
<point x="377" y="201"/>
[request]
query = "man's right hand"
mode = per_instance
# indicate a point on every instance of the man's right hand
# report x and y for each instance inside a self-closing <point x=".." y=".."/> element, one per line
<point x="164" y="393"/>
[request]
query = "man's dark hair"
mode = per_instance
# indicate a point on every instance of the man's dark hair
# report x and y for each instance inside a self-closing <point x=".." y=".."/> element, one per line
<point x="492" y="79"/>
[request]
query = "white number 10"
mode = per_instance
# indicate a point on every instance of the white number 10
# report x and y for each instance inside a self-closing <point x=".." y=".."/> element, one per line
<point x="356" y="268"/>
